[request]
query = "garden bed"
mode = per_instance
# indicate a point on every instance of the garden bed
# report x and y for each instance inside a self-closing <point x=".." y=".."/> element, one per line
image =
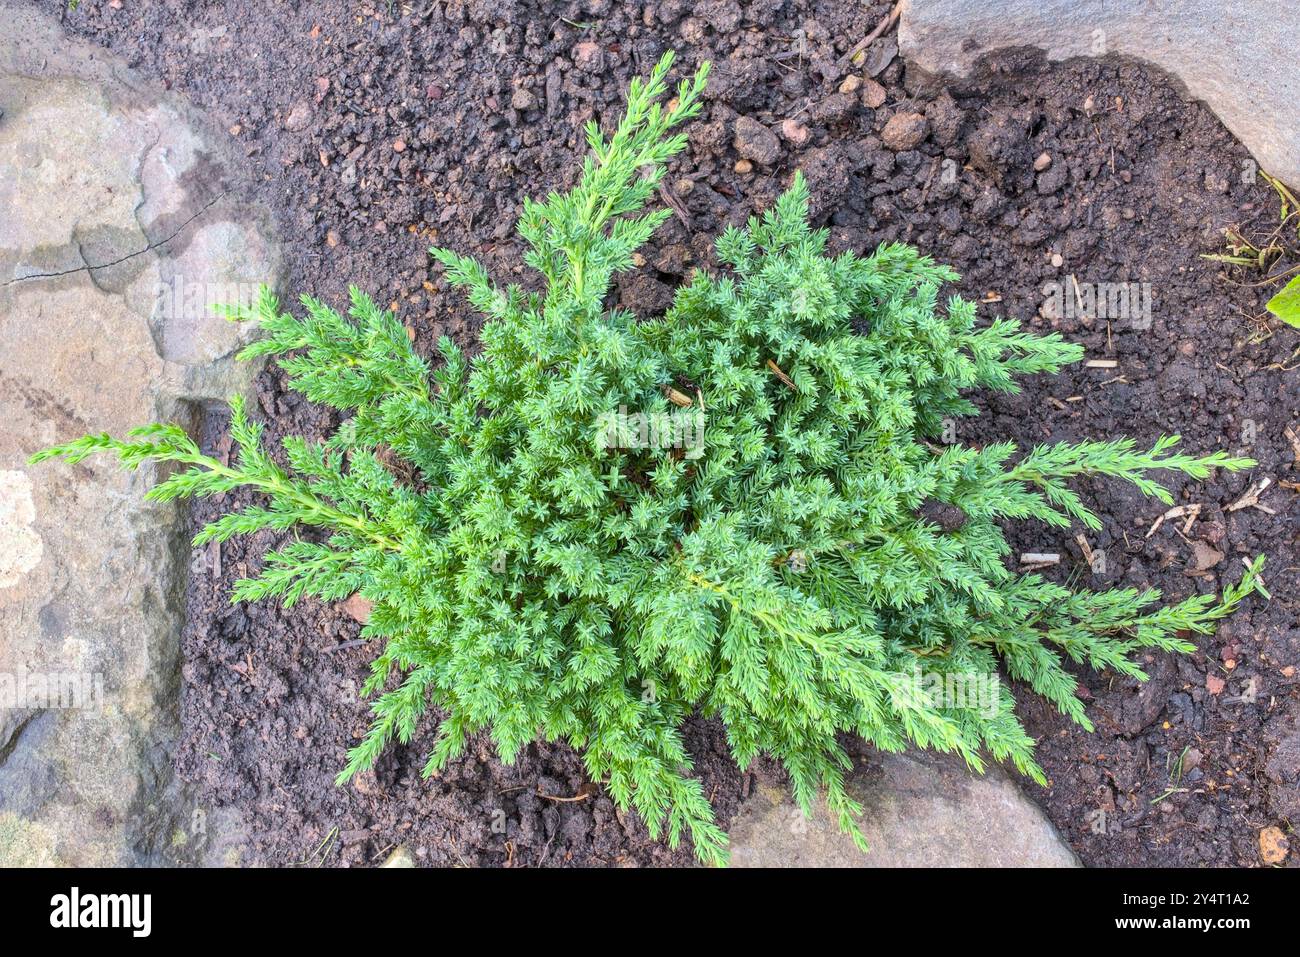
<point x="378" y="131"/>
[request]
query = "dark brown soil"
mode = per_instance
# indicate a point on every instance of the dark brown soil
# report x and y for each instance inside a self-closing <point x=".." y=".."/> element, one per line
<point x="379" y="129"/>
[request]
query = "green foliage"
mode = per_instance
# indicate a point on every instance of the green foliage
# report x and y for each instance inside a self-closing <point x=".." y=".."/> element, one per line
<point x="1286" y="303"/>
<point x="529" y="578"/>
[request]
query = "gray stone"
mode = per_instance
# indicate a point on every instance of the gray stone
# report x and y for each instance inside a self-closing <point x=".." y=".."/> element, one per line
<point x="1239" y="58"/>
<point x="920" y="810"/>
<point x="879" y="55"/>
<point x="122" y="223"/>
<point x="756" y="142"/>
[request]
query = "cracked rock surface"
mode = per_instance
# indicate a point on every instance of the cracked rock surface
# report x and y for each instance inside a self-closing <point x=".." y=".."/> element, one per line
<point x="121" y="225"/>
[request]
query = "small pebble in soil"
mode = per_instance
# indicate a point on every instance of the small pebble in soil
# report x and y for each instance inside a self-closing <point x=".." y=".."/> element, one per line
<point x="873" y="94"/>
<point x="756" y="142"/>
<point x="904" y="131"/>
<point x="879" y="56"/>
<point x="358" y="608"/>
<point x="298" y="118"/>
<point x="795" y="133"/>
<point x="834" y="109"/>
<point x="588" y="57"/>
<point x="1051" y="180"/>
<point x="1043" y="161"/>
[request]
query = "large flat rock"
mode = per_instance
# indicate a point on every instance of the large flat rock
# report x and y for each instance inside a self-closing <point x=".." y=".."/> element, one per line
<point x="921" y="810"/>
<point x="1239" y="58"/>
<point x="122" y="221"/>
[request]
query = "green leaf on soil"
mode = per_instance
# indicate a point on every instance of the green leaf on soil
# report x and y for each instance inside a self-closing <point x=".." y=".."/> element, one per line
<point x="1286" y="304"/>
